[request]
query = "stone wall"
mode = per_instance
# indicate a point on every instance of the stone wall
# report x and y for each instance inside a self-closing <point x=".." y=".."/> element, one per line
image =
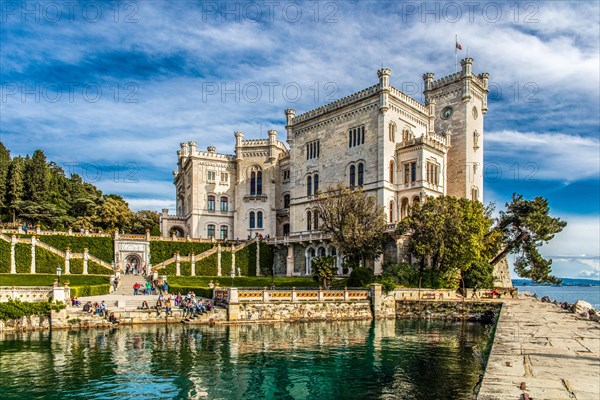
<point x="306" y="311"/>
<point x="453" y="310"/>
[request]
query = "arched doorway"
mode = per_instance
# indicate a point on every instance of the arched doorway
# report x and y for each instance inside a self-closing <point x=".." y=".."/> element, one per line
<point x="178" y="231"/>
<point x="134" y="265"/>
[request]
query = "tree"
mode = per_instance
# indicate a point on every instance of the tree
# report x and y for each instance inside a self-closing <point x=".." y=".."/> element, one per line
<point x="114" y="213"/>
<point x="525" y="226"/>
<point x="4" y="167"/>
<point x="354" y="221"/>
<point x="324" y="270"/>
<point x="37" y="182"/>
<point x="145" y="220"/>
<point x="16" y="186"/>
<point x="451" y="238"/>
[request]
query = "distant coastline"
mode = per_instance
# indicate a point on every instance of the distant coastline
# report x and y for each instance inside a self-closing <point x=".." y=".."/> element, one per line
<point x="565" y="282"/>
<point x="569" y="291"/>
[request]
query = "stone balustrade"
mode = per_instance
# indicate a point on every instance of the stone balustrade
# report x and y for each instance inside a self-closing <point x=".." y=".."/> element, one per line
<point x="34" y="293"/>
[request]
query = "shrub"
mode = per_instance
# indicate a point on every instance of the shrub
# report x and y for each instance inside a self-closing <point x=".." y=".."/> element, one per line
<point x="161" y="250"/>
<point x="97" y="269"/>
<point x="403" y="274"/>
<point x="94" y="290"/>
<point x="198" y="291"/>
<point x="48" y="279"/>
<point x="23" y="257"/>
<point x="47" y="262"/>
<point x="387" y="283"/>
<point x="14" y="309"/>
<point x="101" y="247"/>
<point x="4" y="256"/>
<point x="207" y="266"/>
<point x="360" y="277"/>
<point x="245" y="260"/>
<point x="266" y="259"/>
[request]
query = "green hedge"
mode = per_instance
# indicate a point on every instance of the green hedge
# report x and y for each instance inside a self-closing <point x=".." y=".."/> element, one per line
<point x="266" y="259"/>
<point x="161" y="250"/>
<point x="245" y="260"/>
<point x="248" y="281"/>
<point x="169" y="270"/>
<point x="17" y="309"/>
<point x="48" y="280"/>
<point x="23" y="257"/>
<point x="95" y="290"/>
<point x="207" y="266"/>
<point x="47" y="262"/>
<point x="226" y="263"/>
<point x="101" y="247"/>
<point x="97" y="269"/>
<point x="4" y="256"/>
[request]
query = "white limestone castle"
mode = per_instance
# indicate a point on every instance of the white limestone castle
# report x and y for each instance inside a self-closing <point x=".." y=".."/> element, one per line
<point x="397" y="148"/>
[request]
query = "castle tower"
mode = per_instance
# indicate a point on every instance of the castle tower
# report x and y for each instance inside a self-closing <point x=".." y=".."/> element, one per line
<point x="460" y="104"/>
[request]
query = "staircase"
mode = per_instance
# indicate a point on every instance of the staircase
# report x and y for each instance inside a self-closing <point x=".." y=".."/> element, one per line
<point x="126" y="283"/>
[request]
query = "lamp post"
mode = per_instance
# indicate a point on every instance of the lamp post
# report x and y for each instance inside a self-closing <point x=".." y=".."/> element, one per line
<point x="58" y="273"/>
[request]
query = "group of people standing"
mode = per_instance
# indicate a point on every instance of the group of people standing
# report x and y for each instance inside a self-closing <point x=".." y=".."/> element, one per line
<point x="134" y="269"/>
<point x="151" y="287"/>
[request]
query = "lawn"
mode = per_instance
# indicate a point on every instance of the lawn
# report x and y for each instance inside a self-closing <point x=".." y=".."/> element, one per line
<point x="48" y="280"/>
<point x="250" y="281"/>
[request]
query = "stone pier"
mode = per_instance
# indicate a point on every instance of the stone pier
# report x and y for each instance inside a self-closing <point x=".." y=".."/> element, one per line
<point x="541" y="351"/>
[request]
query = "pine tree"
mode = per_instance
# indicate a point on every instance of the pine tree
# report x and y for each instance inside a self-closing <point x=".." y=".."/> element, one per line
<point x="4" y="167"/>
<point x="38" y="174"/>
<point x="16" y="186"/>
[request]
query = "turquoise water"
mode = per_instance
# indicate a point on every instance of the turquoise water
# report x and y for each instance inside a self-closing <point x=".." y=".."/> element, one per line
<point x="570" y="294"/>
<point x="336" y="360"/>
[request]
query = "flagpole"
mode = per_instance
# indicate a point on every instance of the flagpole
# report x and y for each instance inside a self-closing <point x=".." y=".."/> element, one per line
<point x="455" y="53"/>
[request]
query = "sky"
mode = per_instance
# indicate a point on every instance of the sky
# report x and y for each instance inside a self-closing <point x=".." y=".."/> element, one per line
<point x="109" y="89"/>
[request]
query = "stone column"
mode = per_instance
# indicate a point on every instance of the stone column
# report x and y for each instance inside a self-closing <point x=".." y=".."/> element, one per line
<point x="193" y="264"/>
<point x="265" y="295"/>
<point x="289" y="261"/>
<point x="33" y="254"/>
<point x="59" y="293"/>
<point x="345" y="294"/>
<point x="70" y="232"/>
<point x="376" y="300"/>
<point x="177" y="264"/>
<point x="219" y="259"/>
<point x="257" y="257"/>
<point x="148" y="235"/>
<point x="293" y="295"/>
<point x="377" y="267"/>
<point x="13" y="263"/>
<point x="86" y="257"/>
<point x="67" y="261"/>
<point x="232" y="259"/>
<point x="233" y="308"/>
<point x="38" y="230"/>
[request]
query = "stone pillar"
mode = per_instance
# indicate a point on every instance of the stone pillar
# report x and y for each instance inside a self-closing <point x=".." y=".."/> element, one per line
<point x="38" y="230"/>
<point x="67" y="261"/>
<point x="219" y="259"/>
<point x="86" y="257"/>
<point x="70" y="232"/>
<point x="345" y="294"/>
<point x="177" y="264"/>
<point x="376" y="300"/>
<point x="193" y="264"/>
<point x="33" y="254"/>
<point x="377" y="267"/>
<point x="265" y="295"/>
<point x="173" y="236"/>
<point x="13" y="263"/>
<point x="61" y="294"/>
<point x="289" y="261"/>
<point x="87" y="232"/>
<point x="257" y="257"/>
<point x="148" y="234"/>
<point x="293" y="295"/>
<point x="232" y="259"/>
<point x="233" y="308"/>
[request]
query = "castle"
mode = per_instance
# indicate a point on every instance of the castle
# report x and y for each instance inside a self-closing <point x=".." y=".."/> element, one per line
<point x="395" y="147"/>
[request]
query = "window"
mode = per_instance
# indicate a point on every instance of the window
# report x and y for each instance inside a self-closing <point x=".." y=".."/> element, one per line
<point x="413" y="171"/>
<point x="252" y="220"/>
<point x="224" y="204"/>
<point x="286" y="201"/>
<point x="313" y="149"/>
<point x="308" y="221"/>
<point x="391" y="172"/>
<point x="391" y="211"/>
<point x="433" y="173"/>
<point x="392" y="132"/>
<point x="210" y="231"/>
<point x="316" y="219"/>
<point x="211" y="176"/>
<point x="286" y="229"/>
<point x="406" y="173"/>
<point x="224" y="232"/>
<point x="286" y="174"/>
<point x="352" y="175"/>
<point x="322" y="252"/>
<point x="361" y="174"/>
<point x="259" y="219"/>
<point x="224" y="177"/>
<point x="474" y="194"/>
<point x="316" y="183"/>
<point x="259" y="182"/>
<point x="211" y="203"/>
<point x="308" y="185"/>
<point x="356" y="136"/>
<point x="253" y="183"/>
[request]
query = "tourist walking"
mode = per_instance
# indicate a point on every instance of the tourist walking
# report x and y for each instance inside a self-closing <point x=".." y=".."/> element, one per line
<point x="136" y="289"/>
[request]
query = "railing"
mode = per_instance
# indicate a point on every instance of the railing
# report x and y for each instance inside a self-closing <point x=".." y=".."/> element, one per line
<point x="26" y="293"/>
<point x="246" y="295"/>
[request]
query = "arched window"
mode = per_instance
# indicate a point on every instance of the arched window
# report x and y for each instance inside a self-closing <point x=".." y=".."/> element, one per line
<point x="474" y="194"/>
<point x="316" y="182"/>
<point x="224" y="232"/>
<point x="211" y="203"/>
<point x="308" y="185"/>
<point x="392" y="171"/>
<point x="210" y="231"/>
<point x="404" y="208"/>
<point x="253" y="183"/>
<point x="316" y="219"/>
<point x="259" y="182"/>
<point x="392" y="132"/>
<point x="391" y="211"/>
<point x="259" y="219"/>
<point x="349" y="138"/>
<point x="286" y="201"/>
<point x="361" y="174"/>
<point x="286" y="229"/>
<point x="224" y="204"/>
<point x="252" y="220"/>
<point x="352" y="175"/>
<point x="322" y="252"/>
<point x="308" y="221"/>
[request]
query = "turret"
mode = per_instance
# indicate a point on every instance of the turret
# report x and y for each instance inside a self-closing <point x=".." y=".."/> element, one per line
<point x="427" y="84"/>
<point x="467" y="66"/>
<point x="238" y="144"/>
<point x="192" y="148"/>
<point x="184" y="152"/>
<point x="272" y="144"/>
<point x="290" y="113"/>
<point x="384" y="86"/>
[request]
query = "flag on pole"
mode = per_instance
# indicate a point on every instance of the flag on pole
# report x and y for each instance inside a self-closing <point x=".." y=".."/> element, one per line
<point x="458" y="45"/>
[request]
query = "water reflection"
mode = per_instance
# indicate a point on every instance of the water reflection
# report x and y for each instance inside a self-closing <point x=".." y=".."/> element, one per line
<point x="356" y="359"/>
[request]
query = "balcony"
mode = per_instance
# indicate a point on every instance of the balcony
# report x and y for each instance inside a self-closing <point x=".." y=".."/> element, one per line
<point x="256" y="198"/>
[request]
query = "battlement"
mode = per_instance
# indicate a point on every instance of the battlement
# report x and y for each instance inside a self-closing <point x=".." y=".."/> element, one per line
<point x="403" y="97"/>
<point x="446" y="80"/>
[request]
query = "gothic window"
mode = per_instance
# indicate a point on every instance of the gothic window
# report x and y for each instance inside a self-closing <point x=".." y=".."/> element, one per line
<point x="322" y="252"/>
<point x="413" y="171"/>
<point x="224" y="177"/>
<point x="286" y="201"/>
<point x="474" y="194"/>
<point x="259" y="182"/>
<point x="224" y="232"/>
<point x="316" y="219"/>
<point x="308" y="221"/>
<point x="316" y="183"/>
<point x="308" y="185"/>
<point x="259" y="219"/>
<point x="252" y="220"/>
<point x="211" y="176"/>
<point x="361" y="174"/>
<point x="391" y="211"/>
<point x="391" y="171"/>
<point x="392" y="132"/>
<point x="211" y="203"/>
<point x="224" y="204"/>
<point x="352" y="175"/>
<point x="406" y="173"/>
<point x="286" y="229"/>
<point x="210" y="231"/>
<point x="356" y="136"/>
<point x="253" y="183"/>
<point x="286" y="174"/>
<point x="313" y="150"/>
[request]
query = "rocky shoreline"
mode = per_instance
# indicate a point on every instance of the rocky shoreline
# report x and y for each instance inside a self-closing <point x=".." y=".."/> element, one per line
<point x="582" y="309"/>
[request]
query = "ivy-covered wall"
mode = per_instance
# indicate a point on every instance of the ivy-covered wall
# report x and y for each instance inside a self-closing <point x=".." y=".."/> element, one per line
<point x="266" y="260"/>
<point x="245" y="260"/>
<point x="101" y="247"/>
<point x="23" y="258"/>
<point x="96" y="269"/>
<point x="161" y="251"/>
<point x="4" y="257"/>
<point x="226" y="263"/>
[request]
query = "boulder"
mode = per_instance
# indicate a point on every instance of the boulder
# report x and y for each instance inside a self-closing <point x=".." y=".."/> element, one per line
<point x="546" y="299"/>
<point x="581" y="308"/>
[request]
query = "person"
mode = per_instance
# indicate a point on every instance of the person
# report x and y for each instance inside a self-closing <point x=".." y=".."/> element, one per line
<point x="159" y="306"/>
<point x="87" y="307"/>
<point x="209" y="305"/>
<point x="116" y="283"/>
<point x="148" y="288"/>
<point x="112" y="319"/>
<point x="168" y="307"/>
<point x="136" y="289"/>
<point x="178" y="299"/>
<point x="165" y="287"/>
<point x="103" y="309"/>
<point x="75" y="302"/>
<point x="144" y="305"/>
<point x="495" y="293"/>
<point x="474" y="295"/>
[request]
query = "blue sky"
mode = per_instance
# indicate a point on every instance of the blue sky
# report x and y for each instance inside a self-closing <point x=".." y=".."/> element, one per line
<point x="110" y="89"/>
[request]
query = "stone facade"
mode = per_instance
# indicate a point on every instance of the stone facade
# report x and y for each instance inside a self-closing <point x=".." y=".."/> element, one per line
<point x="395" y="147"/>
